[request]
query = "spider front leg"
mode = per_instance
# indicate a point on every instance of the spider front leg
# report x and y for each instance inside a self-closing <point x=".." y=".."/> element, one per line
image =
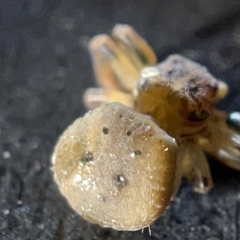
<point x="94" y="97"/>
<point x="117" y="63"/>
<point x="195" y="166"/>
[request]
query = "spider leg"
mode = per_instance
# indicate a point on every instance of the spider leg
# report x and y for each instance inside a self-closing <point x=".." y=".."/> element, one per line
<point x="101" y="55"/>
<point x="118" y="61"/>
<point x="95" y="97"/>
<point x="110" y="66"/>
<point x="178" y="177"/>
<point x="222" y="141"/>
<point x="113" y="69"/>
<point x="195" y="166"/>
<point x="117" y="64"/>
<point x="134" y="46"/>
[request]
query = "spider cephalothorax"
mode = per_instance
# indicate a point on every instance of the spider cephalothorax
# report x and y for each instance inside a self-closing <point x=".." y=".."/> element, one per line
<point x="120" y="164"/>
<point x="181" y="92"/>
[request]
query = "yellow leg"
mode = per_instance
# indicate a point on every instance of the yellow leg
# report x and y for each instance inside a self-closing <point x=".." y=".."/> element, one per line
<point x="109" y="58"/>
<point x="195" y="166"/>
<point x="95" y="97"/>
<point x="222" y="141"/>
<point x="137" y="49"/>
<point x="101" y="56"/>
<point x="118" y="61"/>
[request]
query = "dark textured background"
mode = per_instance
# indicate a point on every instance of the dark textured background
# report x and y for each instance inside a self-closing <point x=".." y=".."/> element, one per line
<point x="44" y="70"/>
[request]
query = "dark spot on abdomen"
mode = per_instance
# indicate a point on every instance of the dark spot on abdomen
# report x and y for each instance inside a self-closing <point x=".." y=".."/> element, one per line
<point x="137" y="152"/>
<point x="120" y="180"/>
<point x="87" y="157"/>
<point x="105" y="130"/>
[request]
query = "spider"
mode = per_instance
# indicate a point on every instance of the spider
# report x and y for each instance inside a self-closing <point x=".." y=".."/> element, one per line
<point x="178" y="93"/>
<point x="150" y="124"/>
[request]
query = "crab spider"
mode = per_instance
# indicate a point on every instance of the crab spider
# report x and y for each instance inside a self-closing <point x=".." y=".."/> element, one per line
<point x="178" y="93"/>
<point x="151" y="124"/>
